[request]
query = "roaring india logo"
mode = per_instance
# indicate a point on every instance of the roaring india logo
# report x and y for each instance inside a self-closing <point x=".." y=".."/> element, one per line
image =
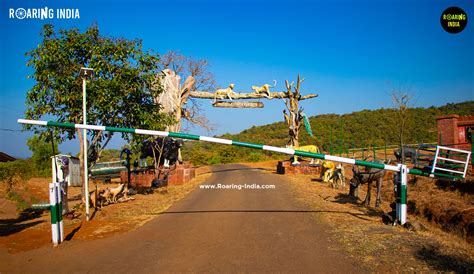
<point x="43" y="13"/>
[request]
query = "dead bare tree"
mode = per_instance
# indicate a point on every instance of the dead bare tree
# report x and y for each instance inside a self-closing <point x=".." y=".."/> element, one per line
<point x="401" y="102"/>
<point x="294" y="119"/>
<point x="197" y="77"/>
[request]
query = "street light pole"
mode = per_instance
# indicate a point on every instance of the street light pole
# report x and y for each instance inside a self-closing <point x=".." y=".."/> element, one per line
<point x="85" y="73"/>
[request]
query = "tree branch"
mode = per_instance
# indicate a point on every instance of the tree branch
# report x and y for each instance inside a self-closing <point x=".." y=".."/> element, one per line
<point x="237" y="96"/>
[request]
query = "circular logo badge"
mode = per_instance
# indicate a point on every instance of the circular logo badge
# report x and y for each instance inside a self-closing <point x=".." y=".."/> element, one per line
<point x="453" y="20"/>
<point x="20" y="13"/>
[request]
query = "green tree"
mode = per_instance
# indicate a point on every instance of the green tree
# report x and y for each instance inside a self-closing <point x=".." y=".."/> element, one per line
<point x="120" y="94"/>
<point x="41" y="154"/>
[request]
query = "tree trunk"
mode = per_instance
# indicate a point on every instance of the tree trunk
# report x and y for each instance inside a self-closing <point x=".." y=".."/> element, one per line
<point x="276" y="95"/>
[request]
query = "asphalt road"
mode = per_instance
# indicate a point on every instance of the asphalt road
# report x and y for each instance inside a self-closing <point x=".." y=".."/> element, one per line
<point x="211" y="230"/>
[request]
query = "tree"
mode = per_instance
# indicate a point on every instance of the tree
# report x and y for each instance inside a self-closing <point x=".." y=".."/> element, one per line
<point x="198" y="77"/>
<point x="401" y="102"/>
<point x="120" y="94"/>
<point x="42" y="151"/>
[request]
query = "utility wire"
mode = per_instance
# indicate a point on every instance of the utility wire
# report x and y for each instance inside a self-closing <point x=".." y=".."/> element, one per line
<point x="9" y="129"/>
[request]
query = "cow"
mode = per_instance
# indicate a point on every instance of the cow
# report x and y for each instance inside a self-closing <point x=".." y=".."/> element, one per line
<point x="409" y="152"/>
<point x="372" y="174"/>
<point x="169" y="154"/>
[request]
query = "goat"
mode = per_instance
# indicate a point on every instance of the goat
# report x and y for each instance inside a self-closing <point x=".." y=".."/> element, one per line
<point x="338" y="175"/>
<point x="372" y="174"/>
<point x="224" y="92"/>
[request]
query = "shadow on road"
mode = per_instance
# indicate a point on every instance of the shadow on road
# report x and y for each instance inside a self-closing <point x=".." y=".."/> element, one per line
<point x="73" y="232"/>
<point x="348" y="199"/>
<point x="12" y="226"/>
<point x="357" y="215"/>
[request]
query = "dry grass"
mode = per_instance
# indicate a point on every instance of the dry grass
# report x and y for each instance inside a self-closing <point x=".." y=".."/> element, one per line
<point x="360" y="232"/>
<point x="111" y="219"/>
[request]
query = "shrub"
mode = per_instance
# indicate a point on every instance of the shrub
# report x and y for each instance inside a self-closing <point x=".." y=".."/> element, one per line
<point x="13" y="172"/>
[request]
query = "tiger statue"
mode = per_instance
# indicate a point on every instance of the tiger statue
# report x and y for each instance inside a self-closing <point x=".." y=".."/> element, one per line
<point x="308" y="148"/>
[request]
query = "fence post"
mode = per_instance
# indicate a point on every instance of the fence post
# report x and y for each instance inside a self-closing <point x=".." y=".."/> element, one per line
<point x="375" y="155"/>
<point x="401" y="194"/>
<point x="363" y="150"/>
<point x="353" y="149"/>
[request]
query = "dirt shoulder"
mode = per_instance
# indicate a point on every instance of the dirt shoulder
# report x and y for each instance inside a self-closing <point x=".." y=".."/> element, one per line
<point x="361" y="232"/>
<point x="32" y="230"/>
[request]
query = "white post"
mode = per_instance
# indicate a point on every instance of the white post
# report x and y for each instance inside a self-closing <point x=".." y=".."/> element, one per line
<point x="84" y="136"/>
<point x="57" y="233"/>
<point x="54" y="221"/>
<point x="401" y="194"/>
<point x="60" y="212"/>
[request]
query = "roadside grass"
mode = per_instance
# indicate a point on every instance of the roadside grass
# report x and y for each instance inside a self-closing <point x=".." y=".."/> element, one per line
<point x="361" y="233"/>
<point x="110" y="220"/>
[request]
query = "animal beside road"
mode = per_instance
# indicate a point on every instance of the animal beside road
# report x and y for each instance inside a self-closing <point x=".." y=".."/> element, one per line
<point x="409" y="152"/>
<point x="115" y="192"/>
<point x="308" y="148"/>
<point x="169" y="154"/>
<point x="223" y="92"/>
<point x="369" y="176"/>
<point x="327" y="171"/>
<point x="264" y="89"/>
<point x="338" y="176"/>
<point x="99" y="197"/>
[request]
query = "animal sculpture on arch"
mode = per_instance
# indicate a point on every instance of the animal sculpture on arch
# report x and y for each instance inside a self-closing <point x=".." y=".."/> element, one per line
<point x="223" y="92"/>
<point x="265" y="89"/>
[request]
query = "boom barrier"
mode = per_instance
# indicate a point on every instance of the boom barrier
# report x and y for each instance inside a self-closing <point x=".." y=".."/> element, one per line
<point x="401" y="170"/>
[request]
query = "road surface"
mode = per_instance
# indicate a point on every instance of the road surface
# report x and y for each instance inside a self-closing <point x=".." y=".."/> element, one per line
<point x="211" y="230"/>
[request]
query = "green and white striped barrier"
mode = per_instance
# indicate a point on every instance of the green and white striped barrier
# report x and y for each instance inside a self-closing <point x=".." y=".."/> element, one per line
<point x="57" y="229"/>
<point x="401" y="170"/>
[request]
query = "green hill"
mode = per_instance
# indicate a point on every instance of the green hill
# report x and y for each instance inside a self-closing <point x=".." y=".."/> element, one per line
<point x="332" y="131"/>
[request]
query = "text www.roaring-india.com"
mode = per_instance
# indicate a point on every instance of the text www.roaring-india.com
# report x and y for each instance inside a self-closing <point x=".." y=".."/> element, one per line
<point x="239" y="187"/>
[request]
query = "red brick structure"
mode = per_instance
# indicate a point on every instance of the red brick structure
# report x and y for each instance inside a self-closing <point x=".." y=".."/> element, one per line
<point x="285" y="167"/>
<point x="178" y="176"/>
<point x="452" y="131"/>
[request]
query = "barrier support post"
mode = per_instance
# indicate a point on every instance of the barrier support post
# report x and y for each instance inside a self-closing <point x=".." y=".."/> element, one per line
<point x="56" y="214"/>
<point x="401" y="194"/>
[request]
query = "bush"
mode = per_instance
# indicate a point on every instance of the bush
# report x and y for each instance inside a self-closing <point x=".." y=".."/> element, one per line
<point x="255" y="157"/>
<point x="41" y="155"/>
<point x="13" y="172"/>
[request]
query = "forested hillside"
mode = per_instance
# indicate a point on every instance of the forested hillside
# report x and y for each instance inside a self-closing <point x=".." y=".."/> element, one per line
<point x="331" y="131"/>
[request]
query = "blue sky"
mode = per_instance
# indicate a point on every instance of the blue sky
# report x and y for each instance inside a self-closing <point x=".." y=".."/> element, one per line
<point x="352" y="53"/>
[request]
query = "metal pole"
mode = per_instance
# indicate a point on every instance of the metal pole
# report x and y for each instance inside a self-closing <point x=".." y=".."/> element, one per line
<point x="84" y="138"/>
